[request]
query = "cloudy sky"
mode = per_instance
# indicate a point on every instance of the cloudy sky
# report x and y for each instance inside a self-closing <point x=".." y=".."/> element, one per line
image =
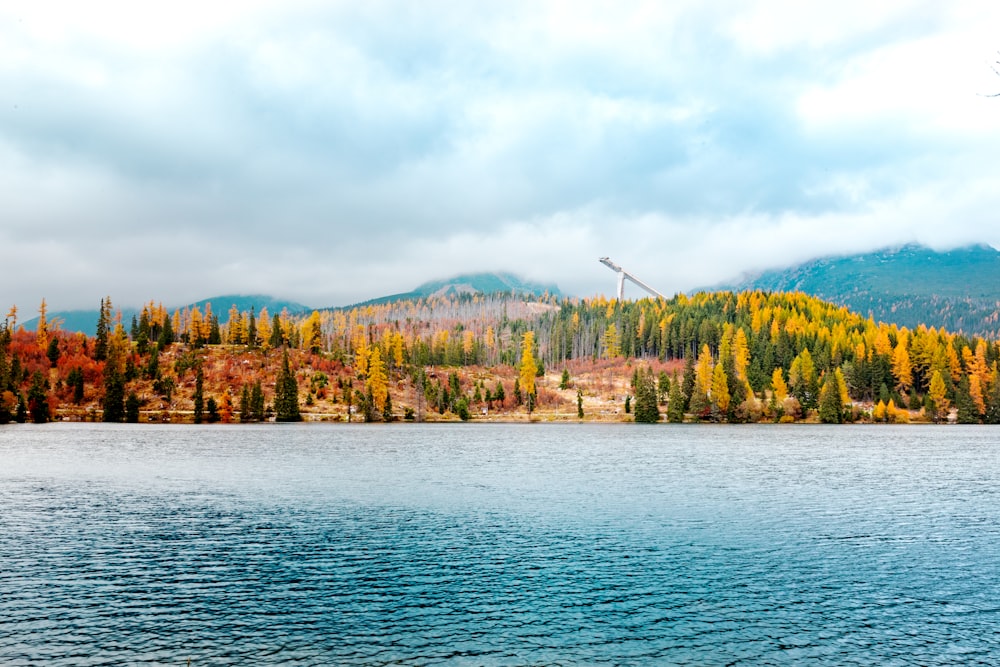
<point x="332" y="152"/>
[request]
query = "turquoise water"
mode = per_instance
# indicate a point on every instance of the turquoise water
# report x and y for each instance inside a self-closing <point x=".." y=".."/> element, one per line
<point x="480" y="544"/>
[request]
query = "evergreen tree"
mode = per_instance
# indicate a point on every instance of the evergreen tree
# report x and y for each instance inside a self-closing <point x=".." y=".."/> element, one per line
<point x="663" y="387"/>
<point x="647" y="409"/>
<point x="968" y="413"/>
<point x="257" y="402"/>
<point x="245" y="404"/>
<point x="132" y="408"/>
<point x="277" y="337"/>
<point x="675" y="404"/>
<point x="579" y="403"/>
<point x="103" y="330"/>
<point x="53" y="351"/>
<point x="114" y="395"/>
<point x="286" y="394"/>
<point x="564" y="380"/>
<point x="21" y="412"/>
<point x="252" y="330"/>
<point x="212" y="408"/>
<point x="993" y="405"/>
<point x="166" y="337"/>
<point x="38" y="399"/>
<point x="831" y="410"/>
<point x="688" y="382"/>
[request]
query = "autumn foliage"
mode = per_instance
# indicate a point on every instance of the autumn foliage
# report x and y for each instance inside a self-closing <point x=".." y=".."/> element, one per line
<point x="752" y="356"/>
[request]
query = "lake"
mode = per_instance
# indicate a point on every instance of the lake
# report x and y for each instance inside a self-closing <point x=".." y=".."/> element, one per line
<point x="499" y="544"/>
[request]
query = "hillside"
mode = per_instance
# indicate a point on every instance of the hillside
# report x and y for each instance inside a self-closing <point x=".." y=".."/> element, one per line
<point x="473" y="283"/>
<point x="721" y="356"/>
<point x="86" y="320"/>
<point x="910" y="285"/>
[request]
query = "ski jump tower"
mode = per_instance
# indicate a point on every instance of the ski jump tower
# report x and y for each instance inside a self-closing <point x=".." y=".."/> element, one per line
<point x="622" y="275"/>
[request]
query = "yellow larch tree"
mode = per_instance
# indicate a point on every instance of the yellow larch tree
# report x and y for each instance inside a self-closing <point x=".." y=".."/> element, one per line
<point x="42" y="328"/>
<point x="528" y="367"/>
<point x="703" y="370"/>
<point x="378" y="380"/>
<point x="778" y="386"/>
<point x="901" y="367"/>
<point x="612" y="344"/>
<point x="938" y="393"/>
<point x="720" y="388"/>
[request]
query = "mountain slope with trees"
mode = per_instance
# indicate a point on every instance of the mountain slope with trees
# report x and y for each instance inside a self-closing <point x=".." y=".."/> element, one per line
<point x="911" y="285"/>
<point x="722" y="356"/>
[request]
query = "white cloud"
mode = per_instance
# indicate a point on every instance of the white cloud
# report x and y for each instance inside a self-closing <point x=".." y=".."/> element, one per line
<point x="336" y="152"/>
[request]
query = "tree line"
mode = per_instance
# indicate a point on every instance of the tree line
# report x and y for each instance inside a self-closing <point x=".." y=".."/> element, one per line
<point x="747" y="356"/>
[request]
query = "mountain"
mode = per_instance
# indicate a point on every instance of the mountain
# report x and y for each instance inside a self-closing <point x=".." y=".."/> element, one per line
<point x="472" y="283"/>
<point x="86" y="320"/>
<point x="907" y="285"/>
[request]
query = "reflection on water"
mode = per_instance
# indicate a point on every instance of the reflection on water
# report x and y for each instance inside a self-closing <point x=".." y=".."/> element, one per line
<point x="498" y="545"/>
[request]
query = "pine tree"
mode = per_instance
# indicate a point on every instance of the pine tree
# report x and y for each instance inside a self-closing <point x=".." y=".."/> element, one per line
<point x="968" y="412"/>
<point x="38" y="400"/>
<point x="245" y="404"/>
<point x="252" y="330"/>
<point x="114" y="395"/>
<point x="286" y="394"/>
<point x="103" y="330"/>
<point x="166" y="338"/>
<point x="675" y="404"/>
<point x="831" y="410"/>
<point x="256" y="402"/>
<point x="132" y="408"/>
<point x="647" y="409"/>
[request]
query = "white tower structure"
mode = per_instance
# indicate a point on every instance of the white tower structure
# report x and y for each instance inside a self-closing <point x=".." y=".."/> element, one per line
<point x="622" y="275"/>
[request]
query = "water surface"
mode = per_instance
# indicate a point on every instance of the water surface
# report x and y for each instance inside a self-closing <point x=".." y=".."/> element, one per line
<point x="475" y="544"/>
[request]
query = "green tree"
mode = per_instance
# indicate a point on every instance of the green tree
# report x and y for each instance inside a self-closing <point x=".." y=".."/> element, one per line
<point x="167" y="336"/>
<point x="53" y="351"/>
<point x="38" y="399"/>
<point x="564" y="380"/>
<point x="831" y="409"/>
<point x="245" y="404"/>
<point x="103" y="330"/>
<point x="212" y="408"/>
<point x="286" y="394"/>
<point x="647" y="409"/>
<point x="675" y="403"/>
<point x="132" y="408"/>
<point x="968" y="412"/>
<point x="114" y="395"/>
<point x="579" y="403"/>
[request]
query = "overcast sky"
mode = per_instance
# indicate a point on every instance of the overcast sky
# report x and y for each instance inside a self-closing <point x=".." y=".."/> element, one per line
<point x="333" y="152"/>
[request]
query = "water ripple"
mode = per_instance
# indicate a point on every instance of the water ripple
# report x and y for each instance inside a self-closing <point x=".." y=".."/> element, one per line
<point x="497" y="546"/>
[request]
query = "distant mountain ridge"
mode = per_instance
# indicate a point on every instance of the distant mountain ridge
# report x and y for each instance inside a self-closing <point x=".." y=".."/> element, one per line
<point x="86" y="320"/>
<point x="908" y="285"/>
<point x="471" y="283"/>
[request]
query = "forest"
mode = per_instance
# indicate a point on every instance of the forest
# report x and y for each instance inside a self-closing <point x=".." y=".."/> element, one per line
<point x="715" y="356"/>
